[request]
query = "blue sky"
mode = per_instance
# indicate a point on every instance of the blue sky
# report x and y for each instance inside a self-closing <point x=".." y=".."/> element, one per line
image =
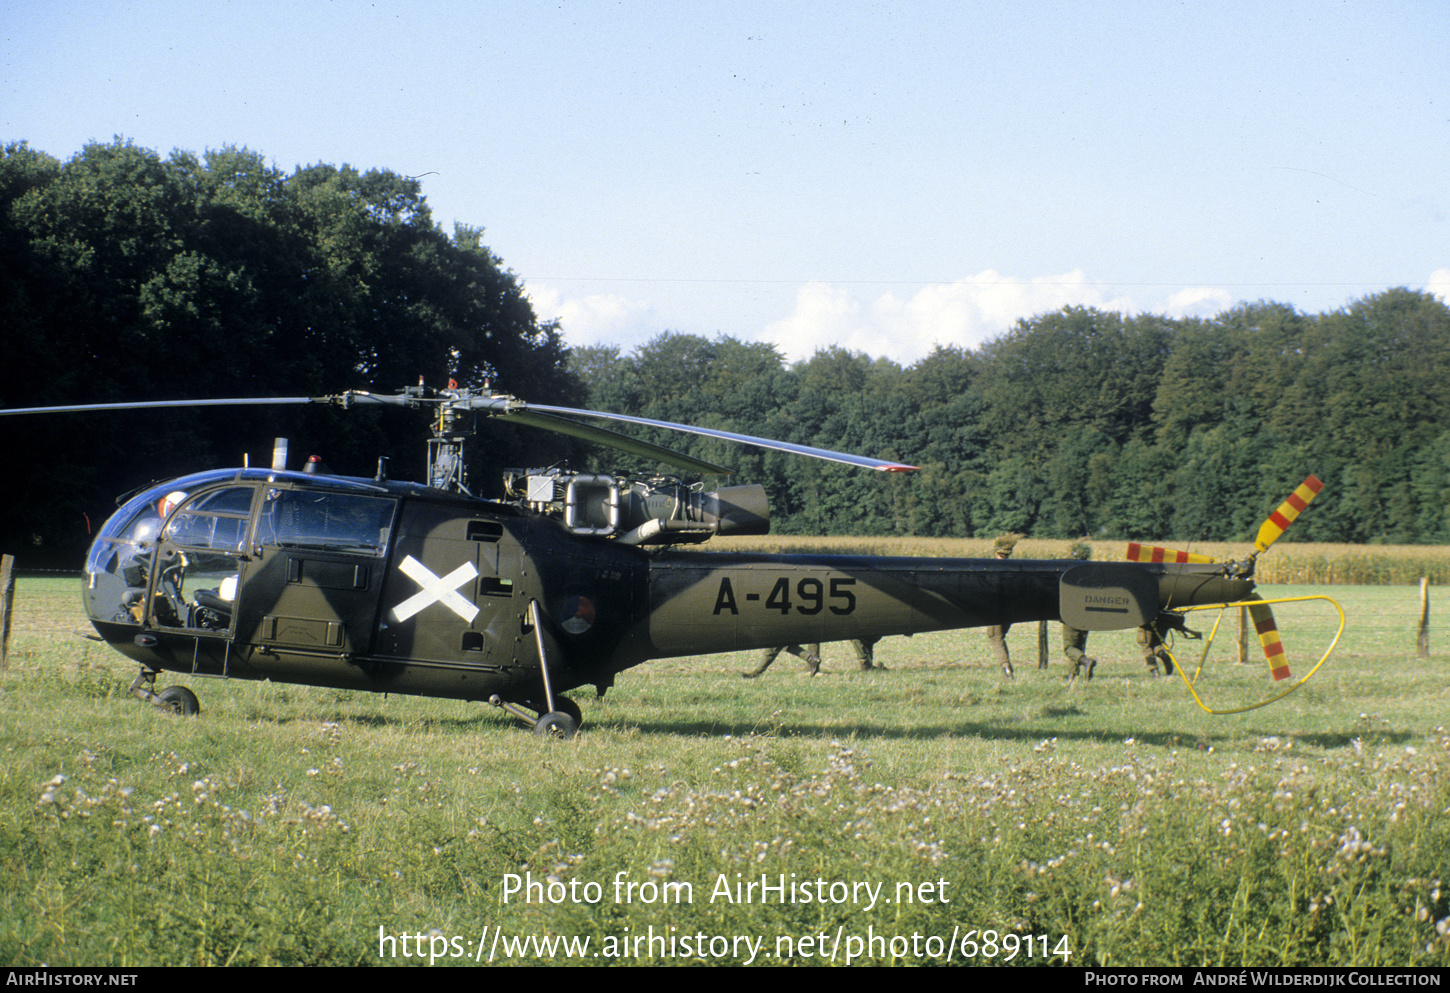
<point x="882" y="176"/>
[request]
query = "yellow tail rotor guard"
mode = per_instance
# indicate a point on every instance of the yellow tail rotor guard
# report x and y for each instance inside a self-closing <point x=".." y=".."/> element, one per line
<point x="1213" y="632"/>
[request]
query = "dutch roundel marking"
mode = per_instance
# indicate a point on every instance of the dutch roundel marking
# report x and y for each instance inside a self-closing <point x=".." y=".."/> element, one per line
<point x="442" y="590"/>
<point x="578" y="615"/>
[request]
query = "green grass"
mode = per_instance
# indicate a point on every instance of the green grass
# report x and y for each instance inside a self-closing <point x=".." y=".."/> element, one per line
<point x="1114" y="819"/>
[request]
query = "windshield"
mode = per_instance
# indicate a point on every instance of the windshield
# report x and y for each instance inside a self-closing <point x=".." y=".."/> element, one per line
<point x="120" y="564"/>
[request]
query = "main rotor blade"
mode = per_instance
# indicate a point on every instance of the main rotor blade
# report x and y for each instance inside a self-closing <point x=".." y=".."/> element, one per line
<point x="1287" y="513"/>
<point x="156" y="404"/>
<point x="614" y="439"/>
<point x="743" y="439"/>
<point x="538" y="415"/>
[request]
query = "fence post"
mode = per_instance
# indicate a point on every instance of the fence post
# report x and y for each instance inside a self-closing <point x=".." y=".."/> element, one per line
<point x="1042" y="644"/>
<point x="1424" y="641"/>
<point x="7" y="597"/>
<point x="1243" y="635"/>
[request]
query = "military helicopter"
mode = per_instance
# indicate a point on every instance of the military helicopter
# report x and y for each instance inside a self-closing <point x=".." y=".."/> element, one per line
<point x="387" y="586"/>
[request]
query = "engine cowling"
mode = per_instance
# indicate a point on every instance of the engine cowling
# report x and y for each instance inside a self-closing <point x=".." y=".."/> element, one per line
<point x="653" y="511"/>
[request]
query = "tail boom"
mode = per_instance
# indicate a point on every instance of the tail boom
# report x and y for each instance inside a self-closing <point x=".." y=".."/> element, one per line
<point x="701" y="603"/>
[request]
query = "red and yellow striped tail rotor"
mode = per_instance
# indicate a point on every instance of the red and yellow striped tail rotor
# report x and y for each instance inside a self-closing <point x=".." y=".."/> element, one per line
<point x="1268" y="631"/>
<point x="1153" y="553"/>
<point x="1287" y="513"/>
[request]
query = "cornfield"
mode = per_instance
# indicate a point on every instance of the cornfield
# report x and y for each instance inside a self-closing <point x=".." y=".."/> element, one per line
<point x="1287" y="562"/>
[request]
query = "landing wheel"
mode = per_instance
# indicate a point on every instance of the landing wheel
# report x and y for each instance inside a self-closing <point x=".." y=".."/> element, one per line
<point x="561" y="723"/>
<point x="564" y="705"/>
<point x="178" y="700"/>
<point x="556" y="725"/>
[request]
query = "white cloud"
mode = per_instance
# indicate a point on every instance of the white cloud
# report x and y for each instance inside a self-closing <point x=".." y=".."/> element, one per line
<point x="824" y="315"/>
<point x="600" y="318"/>
<point x="1439" y="284"/>
<point x="1198" y="301"/>
<point x="905" y="328"/>
<point x="966" y="313"/>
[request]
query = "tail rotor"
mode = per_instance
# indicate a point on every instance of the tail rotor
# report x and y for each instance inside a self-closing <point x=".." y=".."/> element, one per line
<point x="1269" y="532"/>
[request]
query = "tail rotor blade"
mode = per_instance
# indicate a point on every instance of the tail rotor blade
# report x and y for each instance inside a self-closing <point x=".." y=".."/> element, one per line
<point x="1263" y="618"/>
<point x="1154" y="553"/>
<point x="1287" y="513"/>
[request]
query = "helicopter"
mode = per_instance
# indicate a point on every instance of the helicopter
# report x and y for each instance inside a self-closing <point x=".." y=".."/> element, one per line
<point x="567" y="580"/>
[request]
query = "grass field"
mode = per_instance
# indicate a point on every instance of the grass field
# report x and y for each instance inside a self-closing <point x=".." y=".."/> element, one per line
<point x="929" y="813"/>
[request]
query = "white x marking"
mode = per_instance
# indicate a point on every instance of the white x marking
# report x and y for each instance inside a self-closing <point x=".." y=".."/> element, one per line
<point x="436" y="590"/>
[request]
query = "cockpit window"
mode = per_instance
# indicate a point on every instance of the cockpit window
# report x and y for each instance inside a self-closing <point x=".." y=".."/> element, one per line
<point x="125" y="553"/>
<point x="334" y="521"/>
<point x="233" y="500"/>
<point x="216" y="520"/>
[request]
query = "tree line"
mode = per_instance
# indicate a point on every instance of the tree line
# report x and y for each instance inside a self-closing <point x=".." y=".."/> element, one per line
<point x="1088" y="423"/>
<point x="126" y="275"/>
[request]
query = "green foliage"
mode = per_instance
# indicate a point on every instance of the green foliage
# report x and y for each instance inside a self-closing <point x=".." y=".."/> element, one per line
<point x="1084" y="423"/>
<point x="128" y="276"/>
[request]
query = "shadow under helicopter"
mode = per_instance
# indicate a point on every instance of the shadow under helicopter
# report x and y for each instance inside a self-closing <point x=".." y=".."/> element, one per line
<point x="1030" y="730"/>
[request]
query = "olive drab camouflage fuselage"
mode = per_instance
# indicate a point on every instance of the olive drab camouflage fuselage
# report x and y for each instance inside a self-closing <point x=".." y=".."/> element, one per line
<point x="570" y="578"/>
<point x="397" y="587"/>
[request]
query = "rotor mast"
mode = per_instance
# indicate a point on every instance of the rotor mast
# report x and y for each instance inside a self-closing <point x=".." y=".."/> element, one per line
<point x="446" y="469"/>
<point x="451" y="427"/>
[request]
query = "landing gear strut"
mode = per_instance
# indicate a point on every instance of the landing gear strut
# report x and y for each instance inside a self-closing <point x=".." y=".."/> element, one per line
<point x="560" y="717"/>
<point x="177" y="699"/>
<point x="561" y="722"/>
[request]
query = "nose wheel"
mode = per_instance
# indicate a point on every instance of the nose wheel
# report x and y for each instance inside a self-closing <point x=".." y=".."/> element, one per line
<point x="176" y="699"/>
<point x="561" y="722"/>
<point x="560" y="717"/>
<point x="556" y="725"/>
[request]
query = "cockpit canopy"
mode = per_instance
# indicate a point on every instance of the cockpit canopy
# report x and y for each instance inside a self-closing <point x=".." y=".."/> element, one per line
<point x="172" y="554"/>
